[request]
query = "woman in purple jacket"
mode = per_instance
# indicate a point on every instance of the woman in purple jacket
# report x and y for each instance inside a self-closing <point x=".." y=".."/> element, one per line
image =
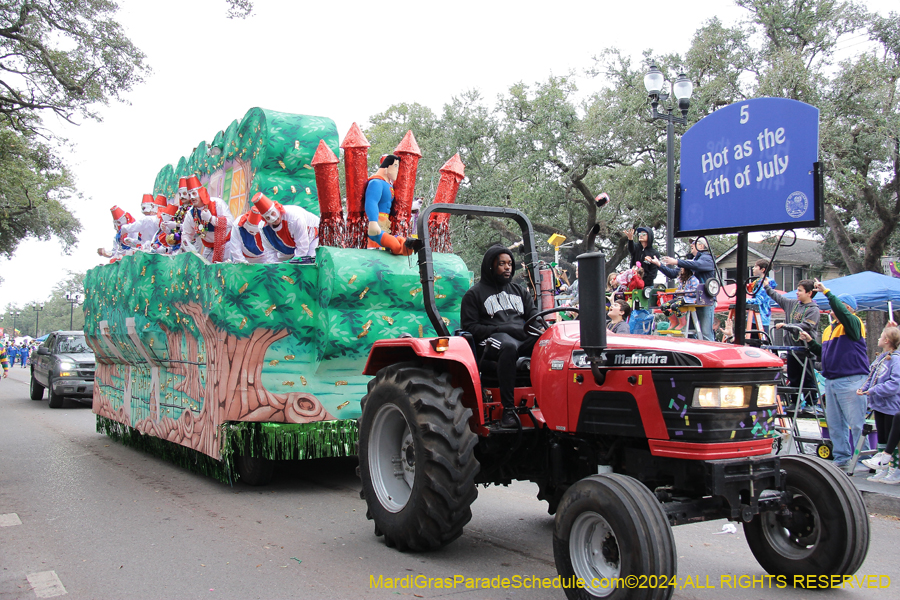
<point x="882" y="387"/>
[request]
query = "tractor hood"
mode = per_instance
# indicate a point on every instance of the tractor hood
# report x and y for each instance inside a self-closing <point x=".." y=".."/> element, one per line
<point x="631" y="350"/>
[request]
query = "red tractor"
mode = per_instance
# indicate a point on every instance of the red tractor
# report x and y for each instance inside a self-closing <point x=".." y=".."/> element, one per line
<point x="625" y="437"/>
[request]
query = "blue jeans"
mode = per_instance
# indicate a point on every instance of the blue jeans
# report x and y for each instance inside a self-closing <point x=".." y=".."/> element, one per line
<point x="706" y="315"/>
<point x="844" y="410"/>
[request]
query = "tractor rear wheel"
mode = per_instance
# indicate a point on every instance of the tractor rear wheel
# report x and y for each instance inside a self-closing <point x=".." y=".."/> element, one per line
<point x="416" y="457"/>
<point x="612" y="528"/>
<point x="827" y="532"/>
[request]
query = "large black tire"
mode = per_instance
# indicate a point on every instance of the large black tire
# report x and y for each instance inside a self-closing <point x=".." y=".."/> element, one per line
<point x="35" y="390"/>
<point x="254" y="470"/>
<point x="56" y="401"/>
<point x="416" y="457"/>
<point x="608" y="527"/>
<point x="828" y="532"/>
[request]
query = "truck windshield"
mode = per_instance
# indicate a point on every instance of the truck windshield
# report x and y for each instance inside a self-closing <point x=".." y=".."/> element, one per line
<point x="72" y="344"/>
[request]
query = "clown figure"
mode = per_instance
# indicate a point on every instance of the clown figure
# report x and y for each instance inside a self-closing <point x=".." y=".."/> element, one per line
<point x="168" y="237"/>
<point x="209" y="222"/>
<point x="148" y="205"/>
<point x="121" y="219"/>
<point x="246" y="244"/>
<point x="291" y="232"/>
<point x="142" y="231"/>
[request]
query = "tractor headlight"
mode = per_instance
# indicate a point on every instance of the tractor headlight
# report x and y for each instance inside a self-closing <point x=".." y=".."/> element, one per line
<point x="766" y="396"/>
<point x="721" y="397"/>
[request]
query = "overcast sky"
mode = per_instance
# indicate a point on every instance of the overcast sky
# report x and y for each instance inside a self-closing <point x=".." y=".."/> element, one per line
<point x="344" y="60"/>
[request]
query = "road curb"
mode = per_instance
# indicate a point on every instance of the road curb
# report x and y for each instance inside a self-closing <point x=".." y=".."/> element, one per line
<point x="882" y="504"/>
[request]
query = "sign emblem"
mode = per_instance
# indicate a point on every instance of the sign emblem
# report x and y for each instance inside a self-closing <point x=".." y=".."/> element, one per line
<point x="796" y="205"/>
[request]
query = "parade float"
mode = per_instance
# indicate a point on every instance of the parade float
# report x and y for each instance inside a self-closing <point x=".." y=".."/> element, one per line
<point x="220" y="365"/>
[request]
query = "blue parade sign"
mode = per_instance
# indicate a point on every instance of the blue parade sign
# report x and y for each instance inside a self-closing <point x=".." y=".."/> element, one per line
<point x="751" y="166"/>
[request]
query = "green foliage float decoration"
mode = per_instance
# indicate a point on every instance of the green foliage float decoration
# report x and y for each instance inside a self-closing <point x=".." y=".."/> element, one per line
<point x="267" y="151"/>
<point x="185" y="347"/>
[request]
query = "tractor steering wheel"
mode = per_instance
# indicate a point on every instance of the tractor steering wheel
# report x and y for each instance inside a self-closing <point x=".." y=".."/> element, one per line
<point x="549" y="311"/>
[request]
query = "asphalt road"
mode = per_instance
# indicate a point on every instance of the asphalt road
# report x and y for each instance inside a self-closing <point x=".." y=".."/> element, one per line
<point x="83" y="517"/>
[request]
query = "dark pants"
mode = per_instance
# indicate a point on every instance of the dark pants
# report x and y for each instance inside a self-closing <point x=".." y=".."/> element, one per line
<point x="892" y="425"/>
<point x="795" y="370"/>
<point x="888" y="427"/>
<point x="505" y="350"/>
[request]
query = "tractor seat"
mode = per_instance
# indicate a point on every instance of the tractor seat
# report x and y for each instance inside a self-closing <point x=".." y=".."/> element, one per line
<point x="488" y="368"/>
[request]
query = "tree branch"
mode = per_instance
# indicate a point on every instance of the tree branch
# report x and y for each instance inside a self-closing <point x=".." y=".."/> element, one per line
<point x="843" y="240"/>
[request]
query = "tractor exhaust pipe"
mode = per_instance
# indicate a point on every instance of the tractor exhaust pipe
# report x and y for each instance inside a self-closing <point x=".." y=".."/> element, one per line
<point x="592" y="309"/>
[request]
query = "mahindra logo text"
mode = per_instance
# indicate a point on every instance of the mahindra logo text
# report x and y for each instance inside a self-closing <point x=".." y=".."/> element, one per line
<point x="640" y="359"/>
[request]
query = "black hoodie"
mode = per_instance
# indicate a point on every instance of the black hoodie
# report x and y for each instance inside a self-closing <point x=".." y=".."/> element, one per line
<point x="639" y="253"/>
<point x="494" y="307"/>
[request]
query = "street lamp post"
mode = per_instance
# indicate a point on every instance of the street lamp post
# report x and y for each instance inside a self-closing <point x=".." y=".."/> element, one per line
<point x="73" y="298"/>
<point x="37" y="317"/>
<point x="16" y="316"/>
<point x="656" y="85"/>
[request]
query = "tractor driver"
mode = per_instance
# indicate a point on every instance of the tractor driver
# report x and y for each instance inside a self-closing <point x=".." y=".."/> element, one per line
<point x="494" y="311"/>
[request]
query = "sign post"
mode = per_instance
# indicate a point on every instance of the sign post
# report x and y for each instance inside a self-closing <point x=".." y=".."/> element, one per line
<point x="751" y="166"/>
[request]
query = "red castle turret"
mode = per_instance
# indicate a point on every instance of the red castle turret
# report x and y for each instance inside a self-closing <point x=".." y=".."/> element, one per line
<point x="356" y="151"/>
<point x="332" y="230"/>
<point x="452" y="173"/>
<point x="405" y="186"/>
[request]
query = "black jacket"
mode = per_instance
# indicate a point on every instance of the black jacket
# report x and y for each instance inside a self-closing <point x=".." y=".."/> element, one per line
<point x="490" y="307"/>
<point x="639" y="253"/>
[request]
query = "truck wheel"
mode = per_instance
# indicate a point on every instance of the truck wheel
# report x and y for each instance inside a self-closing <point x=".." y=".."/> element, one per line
<point x="56" y="401"/>
<point x="827" y="532"/>
<point x="35" y="390"/>
<point x="416" y="457"/>
<point x="611" y="526"/>
<point x="254" y="470"/>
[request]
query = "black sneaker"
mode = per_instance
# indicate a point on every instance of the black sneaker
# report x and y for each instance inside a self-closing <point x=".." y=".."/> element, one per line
<point x="508" y="420"/>
<point x="414" y="244"/>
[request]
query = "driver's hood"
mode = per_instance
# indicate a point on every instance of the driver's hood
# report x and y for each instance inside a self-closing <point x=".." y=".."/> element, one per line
<point x="77" y="358"/>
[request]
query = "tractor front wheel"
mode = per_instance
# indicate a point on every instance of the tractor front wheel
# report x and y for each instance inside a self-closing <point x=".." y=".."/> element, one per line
<point x="613" y="538"/>
<point x="416" y="457"/>
<point x="827" y="530"/>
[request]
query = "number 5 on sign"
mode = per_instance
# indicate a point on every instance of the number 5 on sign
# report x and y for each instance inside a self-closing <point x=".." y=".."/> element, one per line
<point x="745" y="114"/>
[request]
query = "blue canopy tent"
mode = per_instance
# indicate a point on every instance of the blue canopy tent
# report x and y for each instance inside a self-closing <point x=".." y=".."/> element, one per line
<point x="872" y="291"/>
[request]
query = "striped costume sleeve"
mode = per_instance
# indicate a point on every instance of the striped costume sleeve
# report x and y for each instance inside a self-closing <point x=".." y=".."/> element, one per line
<point x="4" y="361"/>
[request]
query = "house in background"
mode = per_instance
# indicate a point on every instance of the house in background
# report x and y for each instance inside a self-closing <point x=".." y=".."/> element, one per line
<point x="803" y="260"/>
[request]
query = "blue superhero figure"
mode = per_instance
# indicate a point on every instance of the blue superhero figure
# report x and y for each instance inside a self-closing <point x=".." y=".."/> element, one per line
<point x="378" y="200"/>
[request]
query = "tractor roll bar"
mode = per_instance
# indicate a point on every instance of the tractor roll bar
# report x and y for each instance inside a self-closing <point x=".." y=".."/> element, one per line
<point x="426" y="266"/>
